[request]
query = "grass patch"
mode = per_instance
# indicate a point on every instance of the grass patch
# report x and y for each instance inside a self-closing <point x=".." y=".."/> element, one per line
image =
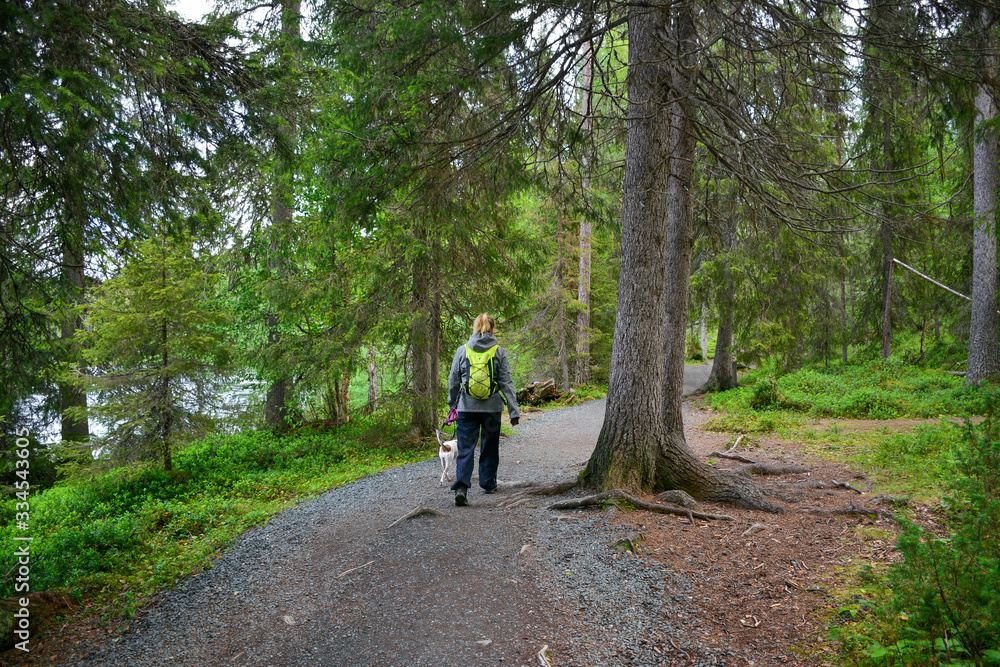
<point x="116" y="537"/>
<point x="940" y="605"/>
<point x="871" y="390"/>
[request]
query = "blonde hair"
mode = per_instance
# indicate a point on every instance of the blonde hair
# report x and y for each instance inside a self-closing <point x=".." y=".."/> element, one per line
<point x="484" y="324"/>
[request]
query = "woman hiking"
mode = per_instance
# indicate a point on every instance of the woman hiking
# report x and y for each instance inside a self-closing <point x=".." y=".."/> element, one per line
<point x="478" y="387"/>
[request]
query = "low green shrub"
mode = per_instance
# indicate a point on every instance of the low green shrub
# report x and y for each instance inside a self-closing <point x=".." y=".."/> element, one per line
<point x="945" y="593"/>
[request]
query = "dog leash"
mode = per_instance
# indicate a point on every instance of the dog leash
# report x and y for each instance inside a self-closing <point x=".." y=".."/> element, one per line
<point x="452" y="416"/>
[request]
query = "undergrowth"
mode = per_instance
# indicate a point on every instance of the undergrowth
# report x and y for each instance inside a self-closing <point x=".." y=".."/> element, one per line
<point x="119" y="535"/>
<point x="942" y="601"/>
<point x="869" y="390"/>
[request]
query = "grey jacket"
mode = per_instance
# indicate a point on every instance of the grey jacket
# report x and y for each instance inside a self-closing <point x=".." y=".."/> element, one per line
<point x="457" y="397"/>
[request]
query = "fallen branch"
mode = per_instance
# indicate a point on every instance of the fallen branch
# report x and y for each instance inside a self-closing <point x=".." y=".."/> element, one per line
<point x="735" y="457"/>
<point x="619" y="494"/>
<point x="737" y="443"/>
<point x="845" y="485"/>
<point x="415" y="512"/>
<point x="543" y="659"/>
<point x="353" y="569"/>
<point x="686" y="654"/>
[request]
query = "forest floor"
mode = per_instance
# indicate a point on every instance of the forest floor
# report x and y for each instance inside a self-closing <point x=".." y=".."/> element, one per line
<point x="332" y="582"/>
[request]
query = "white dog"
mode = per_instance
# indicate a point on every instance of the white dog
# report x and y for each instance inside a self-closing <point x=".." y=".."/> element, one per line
<point x="446" y="451"/>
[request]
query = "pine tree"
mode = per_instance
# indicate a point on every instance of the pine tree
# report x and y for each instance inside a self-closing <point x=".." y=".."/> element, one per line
<point x="156" y="351"/>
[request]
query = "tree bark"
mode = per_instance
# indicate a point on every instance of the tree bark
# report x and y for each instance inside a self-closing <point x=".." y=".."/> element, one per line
<point x="73" y="239"/>
<point x="984" y="347"/>
<point x="435" y="325"/>
<point x="682" y="144"/>
<point x="886" y="236"/>
<point x="583" y="285"/>
<point x="703" y="331"/>
<point x="372" y="381"/>
<point x="276" y="411"/>
<point x="73" y="428"/>
<point x="560" y="307"/>
<point x="639" y="447"/>
<point x="723" y="375"/>
<point x="423" y="417"/>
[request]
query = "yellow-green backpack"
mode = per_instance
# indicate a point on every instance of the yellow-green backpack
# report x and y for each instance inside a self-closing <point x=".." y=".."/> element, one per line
<point x="481" y="372"/>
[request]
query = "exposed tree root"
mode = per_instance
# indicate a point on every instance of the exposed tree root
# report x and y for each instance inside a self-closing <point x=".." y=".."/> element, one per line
<point x="619" y="494"/>
<point x="537" y="489"/>
<point x="808" y="484"/>
<point x="779" y="495"/>
<point x="415" y="512"/>
<point x="845" y="485"/>
<point x="758" y="468"/>
<point x="857" y="510"/>
<point x="678" y="497"/>
<point x="735" y="457"/>
<point x="742" y="491"/>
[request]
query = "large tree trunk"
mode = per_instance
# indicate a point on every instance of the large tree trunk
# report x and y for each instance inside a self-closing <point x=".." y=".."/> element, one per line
<point x="640" y="447"/>
<point x="276" y="410"/>
<point x="583" y="286"/>
<point x="984" y="348"/>
<point x="679" y="212"/>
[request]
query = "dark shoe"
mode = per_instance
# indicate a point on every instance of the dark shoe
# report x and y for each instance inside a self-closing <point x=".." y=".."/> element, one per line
<point x="489" y="491"/>
<point x="460" y="499"/>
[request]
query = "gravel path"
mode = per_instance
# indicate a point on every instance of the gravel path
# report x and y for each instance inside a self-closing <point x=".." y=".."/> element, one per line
<point x="330" y="583"/>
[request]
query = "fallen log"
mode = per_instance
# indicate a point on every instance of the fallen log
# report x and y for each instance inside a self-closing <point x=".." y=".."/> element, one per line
<point x="538" y="392"/>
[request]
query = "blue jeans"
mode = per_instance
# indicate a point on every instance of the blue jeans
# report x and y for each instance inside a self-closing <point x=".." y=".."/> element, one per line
<point x="471" y="428"/>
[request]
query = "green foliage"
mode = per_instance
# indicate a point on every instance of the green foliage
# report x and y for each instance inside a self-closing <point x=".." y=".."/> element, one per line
<point x="124" y="533"/>
<point x="156" y="349"/>
<point x="945" y="606"/>
<point x="870" y="390"/>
